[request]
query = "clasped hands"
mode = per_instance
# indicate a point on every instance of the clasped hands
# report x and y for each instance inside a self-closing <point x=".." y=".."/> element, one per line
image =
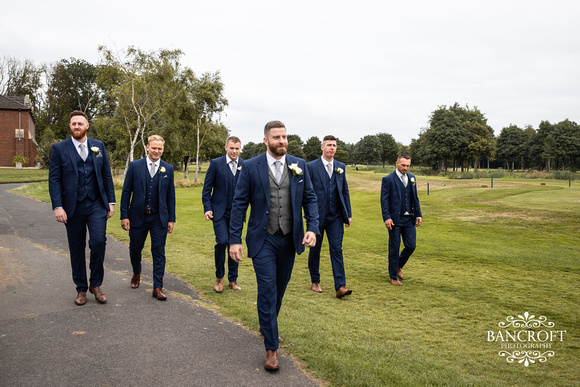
<point x="237" y="250"/>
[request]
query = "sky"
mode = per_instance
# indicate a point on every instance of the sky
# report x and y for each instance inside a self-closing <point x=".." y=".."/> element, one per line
<point x="347" y="68"/>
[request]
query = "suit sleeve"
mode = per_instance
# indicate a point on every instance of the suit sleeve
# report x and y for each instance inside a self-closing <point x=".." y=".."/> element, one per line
<point x="108" y="178"/>
<point x="55" y="177"/>
<point x="417" y="205"/>
<point x="385" y="199"/>
<point x="240" y="207"/>
<point x="171" y="195"/>
<point x="346" y="194"/>
<point x="126" y="193"/>
<point x="208" y="184"/>
<point x="310" y="204"/>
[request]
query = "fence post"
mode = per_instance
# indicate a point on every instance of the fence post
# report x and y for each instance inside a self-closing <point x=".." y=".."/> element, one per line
<point x="492" y="182"/>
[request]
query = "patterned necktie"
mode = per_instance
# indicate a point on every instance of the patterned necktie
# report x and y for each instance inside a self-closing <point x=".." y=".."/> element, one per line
<point x="152" y="169"/>
<point x="233" y="166"/>
<point x="83" y="153"/>
<point x="404" y="180"/>
<point x="329" y="170"/>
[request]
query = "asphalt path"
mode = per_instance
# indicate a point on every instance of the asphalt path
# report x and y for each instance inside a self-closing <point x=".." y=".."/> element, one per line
<point x="132" y="340"/>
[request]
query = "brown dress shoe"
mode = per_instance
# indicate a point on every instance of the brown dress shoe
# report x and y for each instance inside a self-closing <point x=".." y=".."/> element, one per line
<point x="158" y="293"/>
<point x="135" y="280"/>
<point x="316" y="287"/>
<point x="81" y="298"/>
<point x="271" y="360"/>
<point x="396" y="282"/>
<point x="99" y="295"/>
<point x="342" y="291"/>
<point x="400" y="274"/>
<point x="235" y="286"/>
<point x="219" y="285"/>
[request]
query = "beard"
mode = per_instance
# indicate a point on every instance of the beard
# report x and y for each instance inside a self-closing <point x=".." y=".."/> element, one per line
<point x="277" y="151"/>
<point x="78" y="134"/>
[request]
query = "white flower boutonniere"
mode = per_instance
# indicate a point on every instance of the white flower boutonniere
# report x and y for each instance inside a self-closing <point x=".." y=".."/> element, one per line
<point x="340" y="171"/>
<point x="296" y="170"/>
<point x="412" y="179"/>
<point x="161" y="169"/>
<point x="96" y="151"/>
<point x="239" y="168"/>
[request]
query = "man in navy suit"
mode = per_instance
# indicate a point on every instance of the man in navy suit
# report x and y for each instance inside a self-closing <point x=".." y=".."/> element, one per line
<point x="148" y="206"/>
<point x="217" y="197"/>
<point x="329" y="182"/>
<point x="83" y="196"/>
<point x="402" y="214"/>
<point x="278" y="187"/>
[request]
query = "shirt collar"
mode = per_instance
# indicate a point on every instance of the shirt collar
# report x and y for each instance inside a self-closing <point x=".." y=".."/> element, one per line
<point x="228" y="160"/>
<point x="272" y="160"/>
<point x="77" y="143"/>
<point x="149" y="161"/>
<point x="327" y="162"/>
<point x="399" y="174"/>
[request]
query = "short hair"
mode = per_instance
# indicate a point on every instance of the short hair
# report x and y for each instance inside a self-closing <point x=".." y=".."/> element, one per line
<point x="329" y="137"/>
<point x="79" y="113"/>
<point x="233" y="139"/>
<point x="403" y="156"/>
<point x="272" y="124"/>
<point x="155" y="137"/>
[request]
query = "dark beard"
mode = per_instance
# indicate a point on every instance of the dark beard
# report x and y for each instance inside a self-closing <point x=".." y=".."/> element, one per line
<point x="277" y="151"/>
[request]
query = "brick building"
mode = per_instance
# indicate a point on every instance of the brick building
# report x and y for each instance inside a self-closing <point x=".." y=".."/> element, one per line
<point x="16" y="130"/>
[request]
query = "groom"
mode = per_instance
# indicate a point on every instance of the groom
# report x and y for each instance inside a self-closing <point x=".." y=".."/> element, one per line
<point x="83" y="197"/>
<point x="278" y="187"/>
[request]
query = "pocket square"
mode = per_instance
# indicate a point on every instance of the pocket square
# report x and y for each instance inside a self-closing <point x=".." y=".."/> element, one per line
<point x="300" y="181"/>
<point x="165" y="177"/>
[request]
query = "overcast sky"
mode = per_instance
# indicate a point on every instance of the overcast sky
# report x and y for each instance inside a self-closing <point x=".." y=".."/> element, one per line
<point x="348" y="68"/>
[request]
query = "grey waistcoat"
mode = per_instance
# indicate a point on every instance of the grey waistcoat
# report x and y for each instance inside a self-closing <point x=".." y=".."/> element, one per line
<point x="280" y="204"/>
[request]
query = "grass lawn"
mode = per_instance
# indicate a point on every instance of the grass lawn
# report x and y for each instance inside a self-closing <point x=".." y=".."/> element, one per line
<point x="14" y="175"/>
<point x="482" y="255"/>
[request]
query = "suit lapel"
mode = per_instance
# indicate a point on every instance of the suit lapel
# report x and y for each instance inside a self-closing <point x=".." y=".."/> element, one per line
<point x="225" y="169"/>
<point x="264" y="177"/>
<point x="322" y="175"/>
<point x="143" y="173"/>
<point x="72" y="152"/>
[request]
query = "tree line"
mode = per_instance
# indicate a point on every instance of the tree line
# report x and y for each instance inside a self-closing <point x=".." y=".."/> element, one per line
<point x="131" y="94"/>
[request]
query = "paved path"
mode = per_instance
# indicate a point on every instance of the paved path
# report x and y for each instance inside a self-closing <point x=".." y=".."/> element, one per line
<point x="133" y="340"/>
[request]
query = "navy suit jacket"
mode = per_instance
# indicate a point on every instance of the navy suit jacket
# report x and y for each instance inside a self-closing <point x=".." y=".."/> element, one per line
<point x="319" y="177"/>
<point x="63" y="174"/>
<point x="134" y="192"/>
<point x="217" y="178"/>
<point x="392" y="197"/>
<point x="253" y="189"/>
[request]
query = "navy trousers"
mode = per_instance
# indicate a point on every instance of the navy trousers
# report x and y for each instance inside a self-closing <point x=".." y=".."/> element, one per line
<point x="221" y="229"/>
<point x="137" y="236"/>
<point x="92" y="215"/>
<point x="334" y="233"/>
<point x="273" y="266"/>
<point x="405" y="230"/>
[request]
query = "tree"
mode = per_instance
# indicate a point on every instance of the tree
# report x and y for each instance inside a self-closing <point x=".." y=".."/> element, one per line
<point x="389" y="148"/>
<point x="446" y="138"/>
<point x="567" y="135"/>
<point x="312" y="149"/>
<point x="142" y="84"/>
<point x="21" y="77"/>
<point x="342" y="151"/>
<point x="252" y="149"/>
<point x="511" y="145"/>
<point x="368" y="149"/>
<point x="295" y="149"/>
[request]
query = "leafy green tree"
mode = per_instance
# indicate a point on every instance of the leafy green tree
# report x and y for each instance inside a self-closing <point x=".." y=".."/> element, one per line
<point x="342" y="151"/>
<point x="20" y="77"/>
<point x="368" y="150"/>
<point x="511" y="145"/>
<point x="252" y="149"/>
<point x="295" y="149"/>
<point x="541" y="147"/>
<point x="389" y="148"/>
<point x="312" y="149"/>
<point x="295" y="137"/>
<point x="567" y="137"/>
<point x="446" y="138"/>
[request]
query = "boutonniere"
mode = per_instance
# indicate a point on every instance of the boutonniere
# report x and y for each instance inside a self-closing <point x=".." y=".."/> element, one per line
<point x="412" y="180"/>
<point x="161" y="170"/>
<point x="96" y="151"/>
<point x="296" y="170"/>
<point x="340" y="171"/>
<point x="239" y="168"/>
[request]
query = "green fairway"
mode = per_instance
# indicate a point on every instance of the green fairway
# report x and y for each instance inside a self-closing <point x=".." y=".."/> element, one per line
<point x="483" y="254"/>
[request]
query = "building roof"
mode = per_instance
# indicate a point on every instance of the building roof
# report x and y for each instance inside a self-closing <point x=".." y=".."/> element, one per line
<point x="14" y="103"/>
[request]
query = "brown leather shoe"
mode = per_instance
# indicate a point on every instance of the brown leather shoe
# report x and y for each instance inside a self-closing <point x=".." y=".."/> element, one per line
<point x="400" y="274"/>
<point x="158" y="293"/>
<point x="272" y="360"/>
<point x="135" y="280"/>
<point x="342" y="291"/>
<point x="279" y="338"/>
<point x="219" y="285"/>
<point x="316" y="287"/>
<point x="395" y="282"/>
<point x="99" y="295"/>
<point x="235" y="286"/>
<point x="81" y="298"/>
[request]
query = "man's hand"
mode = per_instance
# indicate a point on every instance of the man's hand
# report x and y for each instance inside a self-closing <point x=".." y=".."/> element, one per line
<point x="237" y="252"/>
<point x="389" y="224"/>
<point x="349" y="222"/>
<point x="309" y="239"/>
<point x="60" y="215"/>
<point x="170" y="227"/>
<point x="125" y="224"/>
<point x="111" y="210"/>
<point x="208" y="215"/>
<point x="418" y="222"/>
